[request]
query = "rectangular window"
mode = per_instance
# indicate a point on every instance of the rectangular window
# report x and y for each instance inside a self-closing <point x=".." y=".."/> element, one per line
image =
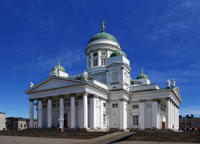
<point x="104" y="119"/>
<point x="103" y="53"/>
<point x="135" y="119"/>
<point x="24" y="125"/>
<point x="197" y="123"/>
<point x="135" y="106"/>
<point x="103" y="61"/>
<point x="104" y="104"/>
<point x="44" y="106"/>
<point x="95" y="62"/>
<point x="65" y="116"/>
<point x="194" y="124"/>
<point x="89" y="64"/>
<point x="114" y="105"/>
<point x="21" y="125"/>
<point x="53" y="105"/>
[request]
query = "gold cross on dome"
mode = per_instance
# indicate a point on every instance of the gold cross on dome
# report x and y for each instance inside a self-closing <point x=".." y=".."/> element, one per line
<point x="142" y="70"/>
<point x="59" y="62"/>
<point x="103" y="23"/>
<point x="103" y="27"/>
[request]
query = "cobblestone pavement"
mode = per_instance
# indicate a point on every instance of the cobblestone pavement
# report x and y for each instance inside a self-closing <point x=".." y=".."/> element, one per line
<point x="37" y="140"/>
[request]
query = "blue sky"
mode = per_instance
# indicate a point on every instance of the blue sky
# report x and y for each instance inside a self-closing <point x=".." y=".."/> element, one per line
<point x="163" y="37"/>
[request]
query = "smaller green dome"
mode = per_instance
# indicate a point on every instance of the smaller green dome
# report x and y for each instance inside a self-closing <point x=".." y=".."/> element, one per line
<point x="118" y="53"/>
<point x="142" y="75"/>
<point x="59" y="67"/>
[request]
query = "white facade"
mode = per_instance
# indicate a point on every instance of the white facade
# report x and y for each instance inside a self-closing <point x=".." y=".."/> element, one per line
<point x="107" y="99"/>
<point x="2" y="121"/>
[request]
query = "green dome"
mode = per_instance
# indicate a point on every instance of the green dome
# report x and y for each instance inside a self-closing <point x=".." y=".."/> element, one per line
<point x="103" y="35"/>
<point x="141" y="76"/>
<point x="59" y="67"/>
<point x="118" y="53"/>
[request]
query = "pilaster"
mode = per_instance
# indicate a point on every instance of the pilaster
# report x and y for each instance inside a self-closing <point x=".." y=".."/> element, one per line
<point x="142" y="114"/>
<point x="85" y="110"/>
<point x="155" y="113"/>
<point x="93" y="112"/>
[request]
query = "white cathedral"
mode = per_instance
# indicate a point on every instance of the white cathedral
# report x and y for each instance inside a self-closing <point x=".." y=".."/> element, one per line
<point x="104" y="96"/>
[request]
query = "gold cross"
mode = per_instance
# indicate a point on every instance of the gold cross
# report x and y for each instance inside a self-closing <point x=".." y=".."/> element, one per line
<point x="103" y="23"/>
<point x="103" y="27"/>
<point x="142" y="70"/>
<point x="59" y="62"/>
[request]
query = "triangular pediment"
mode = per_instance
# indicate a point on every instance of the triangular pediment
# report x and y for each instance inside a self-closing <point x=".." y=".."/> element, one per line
<point x="51" y="83"/>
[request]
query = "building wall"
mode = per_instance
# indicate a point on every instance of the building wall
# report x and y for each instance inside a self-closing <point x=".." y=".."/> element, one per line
<point x="2" y="119"/>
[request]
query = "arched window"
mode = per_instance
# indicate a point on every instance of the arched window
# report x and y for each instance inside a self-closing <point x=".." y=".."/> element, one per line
<point x="115" y="77"/>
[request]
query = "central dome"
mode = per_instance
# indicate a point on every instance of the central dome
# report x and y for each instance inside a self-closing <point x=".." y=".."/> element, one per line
<point x="103" y="35"/>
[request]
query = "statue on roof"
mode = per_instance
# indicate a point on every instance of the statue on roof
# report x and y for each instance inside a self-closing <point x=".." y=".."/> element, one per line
<point x="85" y="75"/>
<point x="31" y="85"/>
<point x="173" y="83"/>
<point x="168" y="83"/>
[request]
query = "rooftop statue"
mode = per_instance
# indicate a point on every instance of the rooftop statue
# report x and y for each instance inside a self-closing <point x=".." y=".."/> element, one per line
<point x="31" y="85"/>
<point x="168" y="83"/>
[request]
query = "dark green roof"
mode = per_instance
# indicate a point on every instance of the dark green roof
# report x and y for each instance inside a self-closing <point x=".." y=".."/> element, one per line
<point x="141" y="76"/>
<point x="59" y="68"/>
<point x="103" y="35"/>
<point x="118" y="53"/>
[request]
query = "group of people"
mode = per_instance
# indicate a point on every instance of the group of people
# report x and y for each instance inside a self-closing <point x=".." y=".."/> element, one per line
<point x="191" y="129"/>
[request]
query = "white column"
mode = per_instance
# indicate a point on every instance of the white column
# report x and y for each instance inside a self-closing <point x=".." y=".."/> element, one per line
<point x="49" y="112"/>
<point x="31" y="122"/>
<point x="101" y="105"/>
<point x="93" y="112"/>
<point x="80" y="112"/>
<point x="122" y="115"/>
<point x="87" y="61"/>
<point x="91" y="59"/>
<point x="39" y="113"/>
<point x="85" y="110"/>
<point x="175" y="116"/>
<point x="72" y="110"/>
<point x="178" y="116"/>
<point x="142" y="115"/>
<point x="99" y="58"/>
<point x="61" y="118"/>
<point x="168" y="113"/>
<point x="172" y="115"/>
<point x="155" y="113"/>
<point x="128" y="114"/>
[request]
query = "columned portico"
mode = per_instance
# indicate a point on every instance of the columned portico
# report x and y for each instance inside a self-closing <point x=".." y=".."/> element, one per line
<point x="72" y="110"/>
<point x="123" y="123"/>
<point x="168" y="113"/>
<point x="85" y="110"/>
<point x="142" y="115"/>
<point x="31" y="124"/>
<point x="49" y="112"/>
<point x="155" y="113"/>
<point x="93" y="112"/>
<point x="39" y="113"/>
<point x="61" y="118"/>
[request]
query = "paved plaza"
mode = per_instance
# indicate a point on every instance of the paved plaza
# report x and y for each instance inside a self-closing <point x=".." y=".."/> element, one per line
<point x="38" y="140"/>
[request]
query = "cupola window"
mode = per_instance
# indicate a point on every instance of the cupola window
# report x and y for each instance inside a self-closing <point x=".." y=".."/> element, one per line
<point x="95" y="62"/>
<point x="103" y="53"/>
<point x="95" y="54"/>
<point x="103" y="61"/>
